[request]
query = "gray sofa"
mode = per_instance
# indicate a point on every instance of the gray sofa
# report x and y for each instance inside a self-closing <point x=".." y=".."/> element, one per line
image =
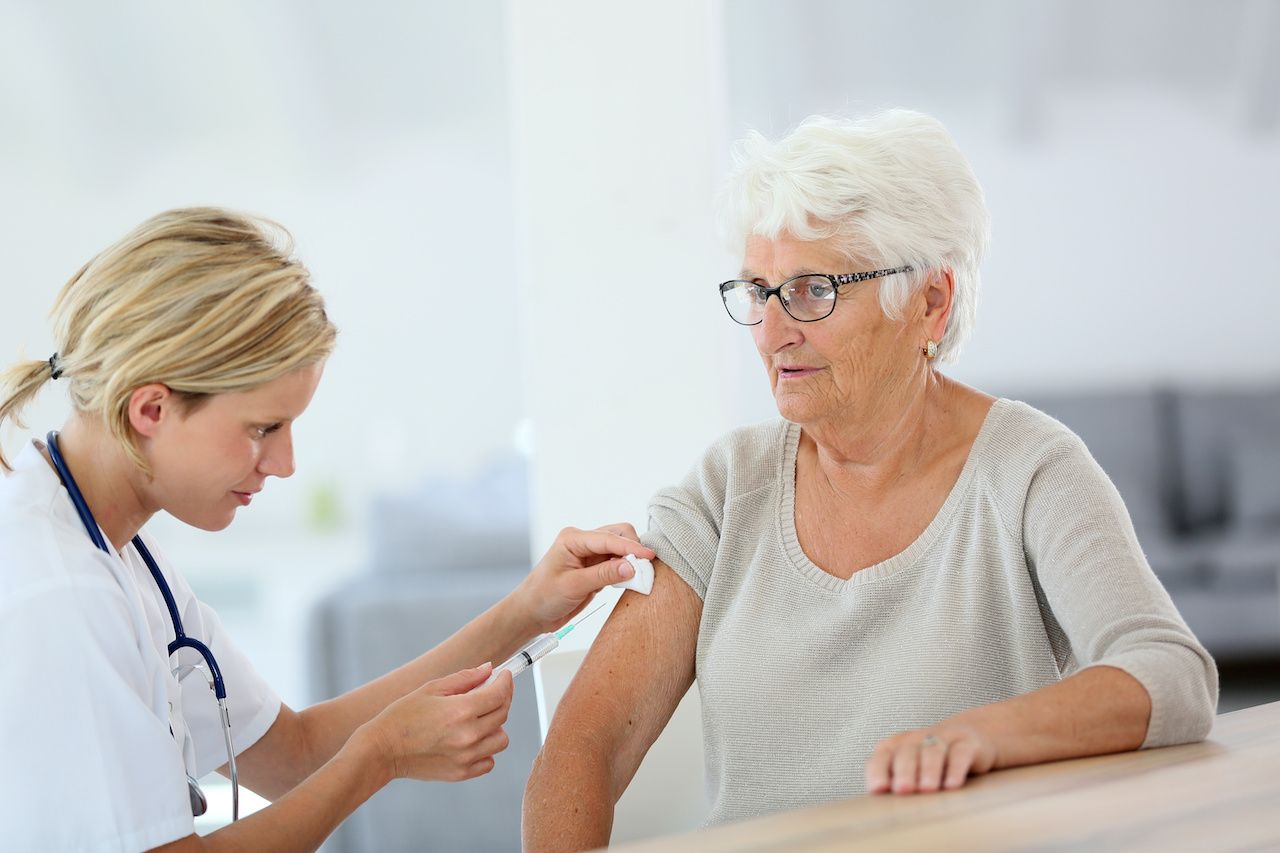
<point x="373" y="624"/>
<point x="1200" y="473"/>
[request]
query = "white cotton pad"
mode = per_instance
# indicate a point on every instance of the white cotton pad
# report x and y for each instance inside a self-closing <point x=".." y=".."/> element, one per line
<point x="642" y="580"/>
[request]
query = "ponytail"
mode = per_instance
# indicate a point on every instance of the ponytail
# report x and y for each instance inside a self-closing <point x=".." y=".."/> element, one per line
<point x="21" y="384"/>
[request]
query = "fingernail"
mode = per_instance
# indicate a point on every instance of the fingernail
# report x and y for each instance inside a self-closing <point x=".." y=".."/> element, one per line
<point x="626" y="570"/>
<point x="486" y="665"/>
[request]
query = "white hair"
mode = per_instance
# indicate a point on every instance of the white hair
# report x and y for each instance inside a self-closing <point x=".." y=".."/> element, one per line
<point x="892" y="188"/>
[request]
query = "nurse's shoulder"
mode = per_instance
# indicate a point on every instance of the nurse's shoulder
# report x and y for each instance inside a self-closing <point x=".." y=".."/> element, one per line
<point x="44" y="548"/>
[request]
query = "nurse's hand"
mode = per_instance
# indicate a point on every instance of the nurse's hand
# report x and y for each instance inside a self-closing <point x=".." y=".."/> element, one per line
<point x="446" y="730"/>
<point x="578" y="564"/>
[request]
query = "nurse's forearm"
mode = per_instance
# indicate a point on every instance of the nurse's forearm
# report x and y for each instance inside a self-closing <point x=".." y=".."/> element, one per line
<point x="302" y="819"/>
<point x="493" y="636"/>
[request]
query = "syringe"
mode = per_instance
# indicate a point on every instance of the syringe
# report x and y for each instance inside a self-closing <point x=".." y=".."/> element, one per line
<point x="537" y="648"/>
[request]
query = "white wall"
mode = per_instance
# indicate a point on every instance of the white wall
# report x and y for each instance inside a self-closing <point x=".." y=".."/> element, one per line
<point x="349" y="126"/>
<point x="617" y="152"/>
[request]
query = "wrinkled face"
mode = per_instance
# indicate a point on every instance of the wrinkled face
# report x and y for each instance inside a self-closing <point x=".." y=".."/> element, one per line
<point x="209" y="462"/>
<point x="825" y="369"/>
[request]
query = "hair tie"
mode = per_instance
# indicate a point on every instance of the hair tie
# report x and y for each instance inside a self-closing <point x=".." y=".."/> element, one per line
<point x="55" y="366"/>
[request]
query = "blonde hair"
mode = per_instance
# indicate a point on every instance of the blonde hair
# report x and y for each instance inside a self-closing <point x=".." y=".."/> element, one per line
<point x="203" y="300"/>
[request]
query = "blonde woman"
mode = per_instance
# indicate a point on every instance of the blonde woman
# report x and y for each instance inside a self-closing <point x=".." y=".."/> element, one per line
<point x="189" y="348"/>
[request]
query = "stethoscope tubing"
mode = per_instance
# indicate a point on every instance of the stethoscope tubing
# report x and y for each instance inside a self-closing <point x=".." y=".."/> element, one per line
<point x="180" y="638"/>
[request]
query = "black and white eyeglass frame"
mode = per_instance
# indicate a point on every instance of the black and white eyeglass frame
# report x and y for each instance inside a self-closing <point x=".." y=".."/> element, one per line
<point x="836" y="282"/>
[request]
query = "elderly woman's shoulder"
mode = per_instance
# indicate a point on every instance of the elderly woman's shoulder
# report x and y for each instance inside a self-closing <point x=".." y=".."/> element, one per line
<point x="748" y="456"/>
<point x="1018" y="429"/>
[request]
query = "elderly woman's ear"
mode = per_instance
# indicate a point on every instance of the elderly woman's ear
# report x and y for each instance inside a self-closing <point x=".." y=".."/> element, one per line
<point x="934" y="301"/>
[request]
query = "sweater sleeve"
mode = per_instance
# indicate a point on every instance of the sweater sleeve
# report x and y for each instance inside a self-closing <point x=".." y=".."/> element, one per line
<point x="1082" y="550"/>
<point x="685" y="521"/>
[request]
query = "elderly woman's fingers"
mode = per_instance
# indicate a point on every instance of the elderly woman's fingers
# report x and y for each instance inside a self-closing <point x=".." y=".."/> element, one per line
<point x="877" y="771"/>
<point x="933" y="757"/>
<point x="906" y="764"/>
<point x="959" y="763"/>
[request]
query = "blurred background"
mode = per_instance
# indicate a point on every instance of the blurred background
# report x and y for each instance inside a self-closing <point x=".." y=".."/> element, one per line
<point x="557" y="161"/>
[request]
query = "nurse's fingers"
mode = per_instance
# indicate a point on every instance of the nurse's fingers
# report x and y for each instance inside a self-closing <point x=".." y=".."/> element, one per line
<point x="480" y="768"/>
<point x="623" y="529"/>
<point x="582" y="582"/>
<point x="491" y="697"/>
<point x="585" y="544"/>
<point x="490" y="746"/>
<point x="459" y="682"/>
<point x="495" y="719"/>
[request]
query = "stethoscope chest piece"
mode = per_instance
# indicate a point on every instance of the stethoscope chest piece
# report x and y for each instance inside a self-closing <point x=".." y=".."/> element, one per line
<point x="199" y="805"/>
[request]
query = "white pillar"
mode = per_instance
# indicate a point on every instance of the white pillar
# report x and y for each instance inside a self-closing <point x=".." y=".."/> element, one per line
<point x="619" y="147"/>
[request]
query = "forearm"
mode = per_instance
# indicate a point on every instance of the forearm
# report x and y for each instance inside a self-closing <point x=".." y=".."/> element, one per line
<point x="568" y="801"/>
<point x="493" y="636"/>
<point x="1098" y="710"/>
<point x="303" y="818"/>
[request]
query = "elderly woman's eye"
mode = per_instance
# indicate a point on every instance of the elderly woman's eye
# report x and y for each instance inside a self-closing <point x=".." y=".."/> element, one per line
<point x="820" y="290"/>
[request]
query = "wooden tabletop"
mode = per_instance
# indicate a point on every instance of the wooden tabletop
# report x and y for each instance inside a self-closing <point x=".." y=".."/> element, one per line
<point x="1223" y="794"/>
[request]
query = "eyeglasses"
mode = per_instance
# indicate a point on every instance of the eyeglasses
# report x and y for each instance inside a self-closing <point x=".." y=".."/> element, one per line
<point x="807" y="298"/>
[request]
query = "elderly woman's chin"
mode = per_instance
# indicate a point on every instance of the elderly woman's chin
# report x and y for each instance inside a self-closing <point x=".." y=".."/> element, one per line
<point x="801" y="400"/>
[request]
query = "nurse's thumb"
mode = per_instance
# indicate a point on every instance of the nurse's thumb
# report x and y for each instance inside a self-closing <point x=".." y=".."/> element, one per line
<point x="460" y="682"/>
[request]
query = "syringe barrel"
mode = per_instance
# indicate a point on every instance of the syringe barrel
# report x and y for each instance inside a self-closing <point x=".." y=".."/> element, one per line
<point x="535" y="651"/>
<point x="541" y="646"/>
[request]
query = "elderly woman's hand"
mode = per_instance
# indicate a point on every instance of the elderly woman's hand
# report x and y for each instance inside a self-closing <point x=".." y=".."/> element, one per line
<point x="928" y="760"/>
<point x="578" y="564"/>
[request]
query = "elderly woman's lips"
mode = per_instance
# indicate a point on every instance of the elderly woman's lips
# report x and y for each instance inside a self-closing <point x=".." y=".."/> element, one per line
<point x="796" y="372"/>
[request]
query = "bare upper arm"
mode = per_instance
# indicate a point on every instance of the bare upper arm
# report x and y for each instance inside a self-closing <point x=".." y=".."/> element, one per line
<point x="278" y="760"/>
<point x="636" y="673"/>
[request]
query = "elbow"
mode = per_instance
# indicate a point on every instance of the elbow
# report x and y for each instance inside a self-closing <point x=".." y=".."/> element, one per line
<point x="564" y="803"/>
<point x="1200" y="696"/>
<point x="534" y="805"/>
<point x="1184" y="701"/>
<point x="1206" y="701"/>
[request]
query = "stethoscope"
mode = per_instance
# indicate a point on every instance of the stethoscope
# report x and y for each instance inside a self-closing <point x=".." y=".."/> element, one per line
<point x="199" y="805"/>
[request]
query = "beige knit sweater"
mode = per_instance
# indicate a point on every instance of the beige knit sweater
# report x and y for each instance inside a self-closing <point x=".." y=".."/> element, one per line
<point x="1029" y="571"/>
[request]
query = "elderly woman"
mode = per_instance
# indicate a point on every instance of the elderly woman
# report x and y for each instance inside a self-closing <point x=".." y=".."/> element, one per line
<point x="903" y="582"/>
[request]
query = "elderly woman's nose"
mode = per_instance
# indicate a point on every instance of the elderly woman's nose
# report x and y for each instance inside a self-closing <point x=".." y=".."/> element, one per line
<point x="777" y="328"/>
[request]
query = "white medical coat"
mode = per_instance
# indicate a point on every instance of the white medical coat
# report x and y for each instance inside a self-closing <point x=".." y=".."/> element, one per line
<point x="88" y="760"/>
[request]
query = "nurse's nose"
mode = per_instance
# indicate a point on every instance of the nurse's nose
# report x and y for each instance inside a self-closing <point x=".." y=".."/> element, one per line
<point x="278" y="460"/>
